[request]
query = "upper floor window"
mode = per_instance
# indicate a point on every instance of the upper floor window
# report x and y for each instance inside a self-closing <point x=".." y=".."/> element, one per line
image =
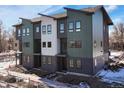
<point x="71" y="26"/>
<point x="28" y="31"/>
<point x="78" y="44"/>
<point x="61" y="28"/>
<point x="78" y="26"/>
<point x="24" y="32"/>
<point x="44" y="44"/>
<point x="49" y="45"/>
<point x="49" y="29"/>
<point x="37" y="29"/>
<point x="19" y="32"/>
<point x="95" y="44"/>
<point x="72" y="44"/>
<point x="44" y="29"/>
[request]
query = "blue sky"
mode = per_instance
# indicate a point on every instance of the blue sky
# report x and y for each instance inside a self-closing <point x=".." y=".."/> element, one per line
<point x="10" y="14"/>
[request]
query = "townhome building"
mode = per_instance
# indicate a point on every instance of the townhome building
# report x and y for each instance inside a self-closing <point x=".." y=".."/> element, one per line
<point x="74" y="41"/>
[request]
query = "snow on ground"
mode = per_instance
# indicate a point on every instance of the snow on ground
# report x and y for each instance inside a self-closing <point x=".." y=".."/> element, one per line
<point x="110" y="76"/>
<point x="115" y="54"/>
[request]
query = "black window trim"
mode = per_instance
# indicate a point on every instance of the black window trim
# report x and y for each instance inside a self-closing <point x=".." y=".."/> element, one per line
<point x="73" y="26"/>
<point x="76" y="27"/>
<point x="50" y="29"/>
<point x="61" y="31"/>
<point x="43" y="32"/>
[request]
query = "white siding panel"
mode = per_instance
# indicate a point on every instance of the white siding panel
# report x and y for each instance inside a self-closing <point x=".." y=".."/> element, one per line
<point x="97" y="22"/>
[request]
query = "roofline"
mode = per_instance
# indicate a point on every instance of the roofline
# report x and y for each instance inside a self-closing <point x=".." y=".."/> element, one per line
<point x="17" y="25"/>
<point x="24" y="19"/>
<point x="36" y="22"/>
<point x="78" y="10"/>
<point x="46" y="15"/>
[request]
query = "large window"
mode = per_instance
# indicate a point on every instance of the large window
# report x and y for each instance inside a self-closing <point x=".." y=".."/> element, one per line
<point x="71" y="63"/>
<point x="26" y="44"/>
<point x="78" y="26"/>
<point x="49" y="45"/>
<point x="49" y="60"/>
<point x="28" y="59"/>
<point x="24" y="32"/>
<point x="78" y="44"/>
<point x="27" y="32"/>
<point x="37" y="29"/>
<point x="78" y="61"/>
<point x="72" y="44"/>
<point x="49" y="29"/>
<point x="19" y="32"/>
<point x="75" y="44"/>
<point x="71" y="26"/>
<point x="61" y="28"/>
<point x="44" y="29"/>
<point x="44" y="44"/>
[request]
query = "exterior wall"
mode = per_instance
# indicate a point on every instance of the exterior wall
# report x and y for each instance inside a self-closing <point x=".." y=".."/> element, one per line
<point x="50" y="67"/>
<point x="85" y="35"/>
<point x="86" y="66"/>
<point x="27" y="51"/>
<point x="85" y="52"/>
<point x="63" y="21"/>
<point x="97" y="22"/>
<point x="49" y="37"/>
<point x="99" y="34"/>
<point x="37" y="35"/>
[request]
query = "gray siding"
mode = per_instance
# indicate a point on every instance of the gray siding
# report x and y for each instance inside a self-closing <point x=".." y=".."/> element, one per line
<point x="37" y="35"/>
<point x="63" y="21"/>
<point x="85" y="35"/>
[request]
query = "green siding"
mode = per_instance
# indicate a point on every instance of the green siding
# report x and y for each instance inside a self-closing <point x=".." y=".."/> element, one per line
<point x="85" y="34"/>
<point x="27" y="50"/>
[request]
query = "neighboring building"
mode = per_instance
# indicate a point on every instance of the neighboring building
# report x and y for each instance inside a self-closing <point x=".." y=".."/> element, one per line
<point x="74" y="41"/>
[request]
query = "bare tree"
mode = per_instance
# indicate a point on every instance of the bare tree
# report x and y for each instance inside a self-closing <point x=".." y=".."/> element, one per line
<point x="117" y="35"/>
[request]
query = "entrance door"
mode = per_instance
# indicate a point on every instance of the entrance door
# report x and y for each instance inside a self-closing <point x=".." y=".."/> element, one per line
<point x="62" y="64"/>
<point x="37" y="61"/>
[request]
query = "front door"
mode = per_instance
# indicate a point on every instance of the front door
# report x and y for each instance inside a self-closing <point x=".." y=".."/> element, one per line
<point x="62" y="63"/>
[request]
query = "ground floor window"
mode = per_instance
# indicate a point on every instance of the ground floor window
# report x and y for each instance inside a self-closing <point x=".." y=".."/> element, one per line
<point x="49" y="60"/>
<point x="44" y="60"/>
<point x="78" y="62"/>
<point x="71" y="63"/>
<point x="28" y="59"/>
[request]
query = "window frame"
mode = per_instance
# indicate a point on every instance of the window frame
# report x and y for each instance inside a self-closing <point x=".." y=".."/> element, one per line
<point x="44" y="29"/>
<point x="71" y="63"/>
<point x="19" y="32"/>
<point x="48" y="44"/>
<point x="78" y="44"/>
<point x="78" y="63"/>
<point x="27" y="31"/>
<point x="49" y="30"/>
<point x="27" y="44"/>
<point x="70" y="44"/>
<point x="43" y="44"/>
<point x="49" y="60"/>
<point x="77" y="29"/>
<point x="71" y="29"/>
<point x="37" y="29"/>
<point x="44" y="60"/>
<point x="24" y="32"/>
<point x="61" y="30"/>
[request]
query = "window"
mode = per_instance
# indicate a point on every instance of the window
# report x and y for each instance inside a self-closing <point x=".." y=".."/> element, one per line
<point x="26" y="44"/>
<point x="44" y="29"/>
<point x="37" y="29"/>
<point x="72" y="44"/>
<point x="78" y="63"/>
<point x="44" y="44"/>
<point x="28" y="59"/>
<point x="23" y="32"/>
<point x="49" y="29"/>
<point x="49" y="45"/>
<point x="95" y="44"/>
<point x="78" y="26"/>
<point x="27" y="31"/>
<point x="16" y="44"/>
<point x="71" y="63"/>
<point x="49" y="60"/>
<point x="71" y="27"/>
<point x="44" y="60"/>
<point x="77" y="44"/>
<point x="19" y="32"/>
<point x="101" y="43"/>
<point x="61" y="28"/>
